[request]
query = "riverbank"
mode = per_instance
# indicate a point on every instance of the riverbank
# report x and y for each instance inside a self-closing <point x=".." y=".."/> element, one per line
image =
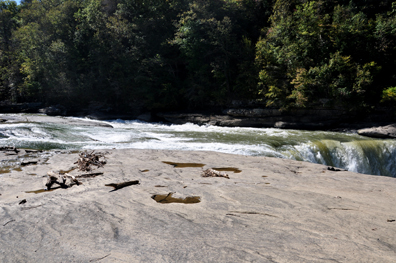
<point x="270" y="210"/>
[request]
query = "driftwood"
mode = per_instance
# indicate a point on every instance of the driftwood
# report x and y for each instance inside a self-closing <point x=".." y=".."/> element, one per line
<point x="122" y="185"/>
<point x="86" y="160"/>
<point x="84" y="163"/>
<point x="330" y="168"/>
<point x="214" y="173"/>
<point x="9" y="149"/>
<point x="63" y="180"/>
<point x="89" y="175"/>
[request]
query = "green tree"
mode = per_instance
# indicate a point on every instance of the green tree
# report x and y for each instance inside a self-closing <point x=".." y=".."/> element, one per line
<point x="217" y="45"/>
<point x="8" y="23"/>
<point x="45" y="38"/>
<point x="310" y="54"/>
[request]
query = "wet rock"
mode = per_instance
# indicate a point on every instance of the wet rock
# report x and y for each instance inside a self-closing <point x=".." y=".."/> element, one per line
<point x="145" y="117"/>
<point x="57" y="110"/>
<point x="29" y="162"/>
<point x="253" y="112"/>
<point x="307" y="119"/>
<point x="263" y="117"/>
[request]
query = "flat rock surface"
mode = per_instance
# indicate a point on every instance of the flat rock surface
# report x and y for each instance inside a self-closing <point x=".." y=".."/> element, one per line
<point x="388" y="131"/>
<point x="273" y="210"/>
<point x="15" y="118"/>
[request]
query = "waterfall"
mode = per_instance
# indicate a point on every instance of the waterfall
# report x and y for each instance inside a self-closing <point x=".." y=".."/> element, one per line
<point x="376" y="157"/>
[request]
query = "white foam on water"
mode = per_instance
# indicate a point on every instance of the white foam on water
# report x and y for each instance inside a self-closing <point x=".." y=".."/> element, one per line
<point x="349" y="151"/>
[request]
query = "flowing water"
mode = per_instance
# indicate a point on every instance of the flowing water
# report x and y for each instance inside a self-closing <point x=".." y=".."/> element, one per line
<point x="344" y="150"/>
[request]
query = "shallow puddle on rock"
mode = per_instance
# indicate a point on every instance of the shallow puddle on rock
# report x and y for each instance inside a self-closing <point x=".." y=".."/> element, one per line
<point x="4" y="170"/>
<point x="67" y="171"/>
<point x="228" y="169"/>
<point x="26" y="163"/>
<point x="52" y="189"/>
<point x="42" y="190"/>
<point x="185" y="165"/>
<point x="166" y="199"/>
<point x="9" y="169"/>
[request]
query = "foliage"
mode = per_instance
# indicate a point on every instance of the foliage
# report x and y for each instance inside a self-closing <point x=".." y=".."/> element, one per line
<point x="314" y="51"/>
<point x="389" y="95"/>
<point x="179" y="54"/>
<point x="8" y="23"/>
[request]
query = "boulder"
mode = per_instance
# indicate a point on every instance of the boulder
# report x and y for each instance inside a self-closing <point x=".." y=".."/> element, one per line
<point x="388" y="131"/>
<point x="145" y="117"/>
<point x="57" y="110"/>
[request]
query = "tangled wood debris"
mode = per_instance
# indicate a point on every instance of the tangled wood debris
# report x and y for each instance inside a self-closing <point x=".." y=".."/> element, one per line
<point x="9" y="149"/>
<point x="214" y="173"/>
<point x="84" y="163"/>
<point x="86" y="160"/>
<point x="63" y="180"/>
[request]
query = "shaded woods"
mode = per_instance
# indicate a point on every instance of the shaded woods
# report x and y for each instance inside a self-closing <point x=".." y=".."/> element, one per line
<point x="178" y="54"/>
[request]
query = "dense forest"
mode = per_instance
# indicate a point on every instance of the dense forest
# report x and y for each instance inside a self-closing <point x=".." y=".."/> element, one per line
<point x="178" y="54"/>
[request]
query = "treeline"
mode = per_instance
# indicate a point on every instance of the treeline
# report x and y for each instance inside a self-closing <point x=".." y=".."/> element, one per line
<point x="176" y="54"/>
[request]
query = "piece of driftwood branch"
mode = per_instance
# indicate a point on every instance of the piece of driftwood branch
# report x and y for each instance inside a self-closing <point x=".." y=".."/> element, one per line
<point x="9" y="222"/>
<point x="97" y="259"/>
<point x="122" y="185"/>
<point x="331" y="168"/>
<point x="86" y="160"/>
<point x="88" y="175"/>
<point x="63" y="180"/>
<point x="9" y="149"/>
<point x="213" y="173"/>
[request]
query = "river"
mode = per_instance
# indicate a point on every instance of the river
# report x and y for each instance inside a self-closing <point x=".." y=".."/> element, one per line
<point x="344" y="150"/>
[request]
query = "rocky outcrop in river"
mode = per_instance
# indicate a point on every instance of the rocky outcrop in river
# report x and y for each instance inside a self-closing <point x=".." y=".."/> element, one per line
<point x="310" y="119"/>
<point x="251" y="116"/>
<point x="388" y="131"/>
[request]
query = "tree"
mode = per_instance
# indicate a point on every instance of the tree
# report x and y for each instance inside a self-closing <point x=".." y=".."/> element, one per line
<point x="311" y="54"/>
<point x="8" y="23"/>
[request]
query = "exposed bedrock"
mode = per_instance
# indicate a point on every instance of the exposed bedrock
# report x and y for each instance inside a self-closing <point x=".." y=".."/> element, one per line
<point x="388" y="131"/>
